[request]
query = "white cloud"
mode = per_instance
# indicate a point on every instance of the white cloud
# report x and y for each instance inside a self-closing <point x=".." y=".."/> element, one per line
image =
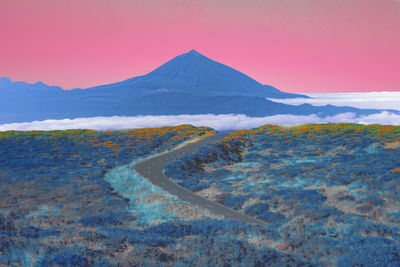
<point x="373" y="100"/>
<point x="218" y="122"/>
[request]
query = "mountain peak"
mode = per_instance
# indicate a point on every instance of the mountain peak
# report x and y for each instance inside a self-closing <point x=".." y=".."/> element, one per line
<point x="40" y="83"/>
<point x="193" y="52"/>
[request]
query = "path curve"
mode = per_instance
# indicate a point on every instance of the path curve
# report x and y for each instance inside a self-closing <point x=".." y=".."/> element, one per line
<point x="153" y="169"/>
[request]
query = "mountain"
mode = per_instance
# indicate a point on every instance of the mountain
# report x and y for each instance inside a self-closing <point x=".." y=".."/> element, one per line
<point x="21" y="101"/>
<point x="188" y="84"/>
<point x="6" y="85"/>
<point x="82" y="103"/>
<point x="192" y="72"/>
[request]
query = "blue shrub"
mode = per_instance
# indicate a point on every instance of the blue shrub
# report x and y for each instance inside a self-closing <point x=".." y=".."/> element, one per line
<point x="271" y="217"/>
<point x="351" y="198"/>
<point x="257" y="209"/>
<point x="66" y="257"/>
<point x="235" y="201"/>
<point x="306" y="196"/>
<point x="112" y="218"/>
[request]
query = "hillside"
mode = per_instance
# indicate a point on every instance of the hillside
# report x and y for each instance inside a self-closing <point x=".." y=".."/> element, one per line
<point x="322" y="189"/>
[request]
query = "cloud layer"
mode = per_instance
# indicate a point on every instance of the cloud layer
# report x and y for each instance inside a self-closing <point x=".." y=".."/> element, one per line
<point x="218" y="122"/>
<point x="373" y="100"/>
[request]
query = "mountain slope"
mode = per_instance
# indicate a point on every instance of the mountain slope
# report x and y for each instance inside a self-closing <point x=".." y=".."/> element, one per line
<point x="8" y="86"/>
<point x="79" y="103"/>
<point x="195" y="73"/>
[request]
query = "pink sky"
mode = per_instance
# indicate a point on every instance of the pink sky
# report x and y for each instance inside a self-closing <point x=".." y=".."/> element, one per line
<point x="297" y="46"/>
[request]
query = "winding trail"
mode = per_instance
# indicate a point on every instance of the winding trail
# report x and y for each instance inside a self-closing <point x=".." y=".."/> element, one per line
<point x="153" y="169"/>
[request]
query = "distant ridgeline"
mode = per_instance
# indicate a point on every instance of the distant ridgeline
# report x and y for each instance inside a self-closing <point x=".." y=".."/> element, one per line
<point x="328" y="192"/>
<point x="188" y="84"/>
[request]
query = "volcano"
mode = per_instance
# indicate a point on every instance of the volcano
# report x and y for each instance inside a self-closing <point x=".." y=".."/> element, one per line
<point x="188" y="84"/>
<point x="195" y="73"/>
